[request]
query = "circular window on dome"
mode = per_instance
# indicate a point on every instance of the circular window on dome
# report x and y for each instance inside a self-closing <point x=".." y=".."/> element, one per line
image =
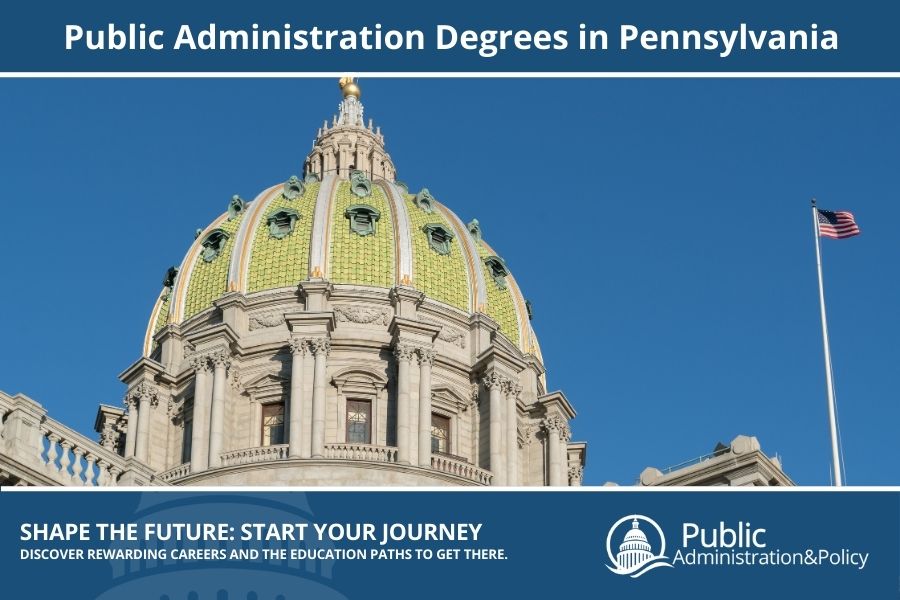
<point x="439" y="237"/>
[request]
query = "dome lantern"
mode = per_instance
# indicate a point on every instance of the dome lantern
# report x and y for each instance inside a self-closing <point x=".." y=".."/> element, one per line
<point x="349" y="144"/>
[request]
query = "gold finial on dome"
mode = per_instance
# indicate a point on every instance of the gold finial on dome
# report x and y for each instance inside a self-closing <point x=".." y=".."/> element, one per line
<point x="349" y="87"/>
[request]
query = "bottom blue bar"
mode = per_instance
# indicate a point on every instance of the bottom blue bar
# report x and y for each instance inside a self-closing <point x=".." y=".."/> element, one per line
<point x="236" y="545"/>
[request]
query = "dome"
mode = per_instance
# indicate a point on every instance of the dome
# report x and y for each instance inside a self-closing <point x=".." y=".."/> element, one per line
<point x="348" y="221"/>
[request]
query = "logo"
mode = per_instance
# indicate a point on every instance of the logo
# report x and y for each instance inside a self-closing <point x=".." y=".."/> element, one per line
<point x="635" y="556"/>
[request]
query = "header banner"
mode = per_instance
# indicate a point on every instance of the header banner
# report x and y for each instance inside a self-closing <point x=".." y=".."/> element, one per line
<point x="230" y="545"/>
<point x="361" y="37"/>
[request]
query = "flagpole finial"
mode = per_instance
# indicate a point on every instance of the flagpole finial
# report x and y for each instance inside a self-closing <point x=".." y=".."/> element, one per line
<point x="814" y="202"/>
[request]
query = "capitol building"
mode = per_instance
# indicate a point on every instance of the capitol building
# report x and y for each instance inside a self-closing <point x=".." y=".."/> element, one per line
<point x="338" y="329"/>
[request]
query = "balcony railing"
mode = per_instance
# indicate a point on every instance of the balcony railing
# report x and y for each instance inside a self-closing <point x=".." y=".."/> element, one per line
<point x="62" y="454"/>
<point x="460" y="468"/>
<point x="176" y="473"/>
<point x="248" y="456"/>
<point x="350" y="451"/>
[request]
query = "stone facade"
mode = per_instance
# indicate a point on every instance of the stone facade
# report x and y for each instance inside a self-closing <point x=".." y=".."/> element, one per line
<point x="337" y="330"/>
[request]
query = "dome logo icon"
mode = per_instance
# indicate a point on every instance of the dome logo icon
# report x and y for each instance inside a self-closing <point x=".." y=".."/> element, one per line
<point x="635" y="555"/>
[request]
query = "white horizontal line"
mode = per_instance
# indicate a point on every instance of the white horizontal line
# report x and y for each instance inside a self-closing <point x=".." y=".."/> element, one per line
<point x="451" y="75"/>
<point x="458" y="489"/>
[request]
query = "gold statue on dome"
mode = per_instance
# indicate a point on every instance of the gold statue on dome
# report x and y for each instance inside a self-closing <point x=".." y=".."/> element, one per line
<point x="349" y="87"/>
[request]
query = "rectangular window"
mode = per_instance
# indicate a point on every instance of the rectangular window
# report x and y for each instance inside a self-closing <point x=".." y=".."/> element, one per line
<point x="440" y="434"/>
<point x="273" y="424"/>
<point x="359" y="422"/>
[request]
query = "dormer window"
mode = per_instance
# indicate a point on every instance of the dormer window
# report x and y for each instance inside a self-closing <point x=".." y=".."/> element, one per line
<point x="236" y="207"/>
<point x="281" y="224"/>
<point x="439" y="237"/>
<point x="498" y="270"/>
<point x="213" y="244"/>
<point x="362" y="219"/>
<point x="425" y="201"/>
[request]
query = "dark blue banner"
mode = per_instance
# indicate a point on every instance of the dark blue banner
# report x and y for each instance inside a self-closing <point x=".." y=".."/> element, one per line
<point x="355" y="36"/>
<point x="590" y="543"/>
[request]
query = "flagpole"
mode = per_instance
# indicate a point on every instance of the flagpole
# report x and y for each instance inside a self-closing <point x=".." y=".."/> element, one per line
<point x="829" y="379"/>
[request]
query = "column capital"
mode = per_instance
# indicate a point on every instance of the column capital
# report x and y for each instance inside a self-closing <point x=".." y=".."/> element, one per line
<point x="299" y="345"/>
<point x="140" y="391"/>
<point x="200" y="362"/>
<point x="494" y="380"/>
<point x="425" y="355"/>
<point x="320" y="345"/>
<point x="404" y="351"/>
<point x="513" y="389"/>
<point x="576" y="473"/>
<point x="220" y="357"/>
<point x="553" y="425"/>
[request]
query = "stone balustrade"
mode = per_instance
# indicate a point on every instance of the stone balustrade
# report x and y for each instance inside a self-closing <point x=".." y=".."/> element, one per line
<point x="182" y="470"/>
<point x="460" y="468"/>
<point x="52" y="452"/>
<point x="72" y="459"/>
<point x="349" y="451"/>
<point x="248" y="456"/>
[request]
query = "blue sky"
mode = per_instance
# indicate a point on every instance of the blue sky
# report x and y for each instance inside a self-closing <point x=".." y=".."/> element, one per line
<point x="661" y="229"/>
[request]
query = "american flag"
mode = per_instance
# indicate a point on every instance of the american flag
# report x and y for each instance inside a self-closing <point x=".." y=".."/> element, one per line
<point x="837" y="224"/>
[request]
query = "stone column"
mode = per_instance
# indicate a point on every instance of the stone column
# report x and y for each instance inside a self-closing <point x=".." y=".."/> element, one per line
<point x="494" y="384"/>
<point x="299" y="347"/>
<point x="320" y="348"/>
<point x="146" y="396"/>
<point x="552" y="428"/>
<point x="565" y="434"/>
<point x="221" y="362"/>
<point x="198" y="441"/>
<point x="426" y="360"/>
<point x="404" y="354"/>
<point x="131" y="431"/>
<point x="512" y="433"/>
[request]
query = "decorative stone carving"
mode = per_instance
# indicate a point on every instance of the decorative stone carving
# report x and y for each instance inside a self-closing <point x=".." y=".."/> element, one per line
<point x="425" y="201"/>
<point x="199" y="362"/>
<point x="362" y="314"/>
<point x="528" y="434"/>
<point x="449" y="334"/>
<point x="143" y="390"/>
<point x="514" y="389"/>
<point x="320" y="345"/>
<point x="576" y="473"/>
<point x="474" y="228"/>
<point x="266" y="320"/>
<point x="109" y="436"/>
<point x="426" y="355"/>
<point x="404" y="351"/>
<point x="220" y="357"/>
<point x="299" y="345"/>
<point x="552" y="425"/>
<point x="293" y="187"/>
<point x="360" y="184"/>
<point x="565" y="434"/>
<point x="236" y="207"/>
<point x="493" y="380"/>
<point x="311" y="178"/>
